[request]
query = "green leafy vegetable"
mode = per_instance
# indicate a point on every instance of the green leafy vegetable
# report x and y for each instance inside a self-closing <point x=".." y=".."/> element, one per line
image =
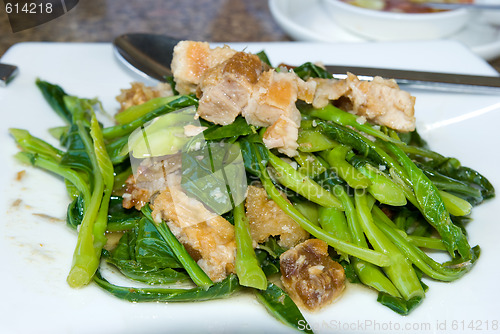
<point x="198" y="276"/>
<point x="400" y="271"/>
<point x="238" y="128"/>
<point x="309" y="70"/>
<point x="128" y="257"/>
<point x="119" y="218"/>
<point x="222" y="289"/>
<point x="91" y="236"/>
<point x="282" y="307"/>
<point x="125" y="129"/>
<point x="340" y="245"/>
<point x="247" y="267"/>
<point x="432" y="205"/>
<point x="301" y="184"/>
<point x="214" y="173"/>
<point x="55" y="97"/>
<point x="134" y="112"/>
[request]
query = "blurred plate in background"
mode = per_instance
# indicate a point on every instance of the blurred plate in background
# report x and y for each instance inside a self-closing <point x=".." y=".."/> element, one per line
<point x="309" y="21"/>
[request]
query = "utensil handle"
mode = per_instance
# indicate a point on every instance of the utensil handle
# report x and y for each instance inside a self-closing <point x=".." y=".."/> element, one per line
<point x="7" y="73"/>
<point x="462" y="83"/>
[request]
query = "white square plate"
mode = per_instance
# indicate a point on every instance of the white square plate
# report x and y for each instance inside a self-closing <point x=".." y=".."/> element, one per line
<point x="36" y="246"/>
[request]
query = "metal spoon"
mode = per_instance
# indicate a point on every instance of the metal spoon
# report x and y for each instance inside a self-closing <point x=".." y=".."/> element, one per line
<point x="152" y="54"/>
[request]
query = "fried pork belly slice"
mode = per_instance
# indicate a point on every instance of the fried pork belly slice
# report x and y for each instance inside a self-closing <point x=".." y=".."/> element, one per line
<point x="283" y="134"/>
<point x="272" y="104"/>
<point x="191" y="60"/>
<point x="385" y="95"/>
<point x="208" y="237"/>
<point x="134" y="196"/>
<point x="273" y="95"/>
<point x="226" y="88"/>
<point x="309" y="275"/>
<point x="267" y="219"/>
<point x="139" y="93"/>
<point x="230" y="83"/>
<point x="328" y="90"/>
<point x="380" y="100"/>
<point x="149" y="179"/>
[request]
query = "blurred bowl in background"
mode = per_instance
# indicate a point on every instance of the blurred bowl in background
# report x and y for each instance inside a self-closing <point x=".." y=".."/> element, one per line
<point x="381" y="25"/>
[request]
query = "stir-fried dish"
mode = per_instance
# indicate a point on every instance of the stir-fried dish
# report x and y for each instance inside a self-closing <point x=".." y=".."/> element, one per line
<point x="237" y="175"/>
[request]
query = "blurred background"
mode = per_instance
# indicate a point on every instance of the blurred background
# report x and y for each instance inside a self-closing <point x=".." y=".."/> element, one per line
<point x="208" y="20"/>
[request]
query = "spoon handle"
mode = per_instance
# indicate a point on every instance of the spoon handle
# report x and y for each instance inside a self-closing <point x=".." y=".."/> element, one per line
<point x="448" y="82"/>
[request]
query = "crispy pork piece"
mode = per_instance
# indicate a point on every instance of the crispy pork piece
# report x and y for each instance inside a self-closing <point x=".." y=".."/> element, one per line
<point x="385" y="103"/>
<point x="226" y="88"/>
<point x="191" y="60"/>
<point x="267" y="219"/>
<point x="138" y="93"/>
<point x="208" y="237"/>
<point x="380" y="100"/>
<point x="230" y="83"/>
<point x="134" y="196"/>
<point x="273" y="95"/>
<point x="306" y="90"/>
<point x="328" y="90"/>
<point x="282" y="134"/>
<point x="149" y="179"/>
<point x="309" y="275"/>
<point x="240" y="85"/>
<point x="272" y="104"/>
